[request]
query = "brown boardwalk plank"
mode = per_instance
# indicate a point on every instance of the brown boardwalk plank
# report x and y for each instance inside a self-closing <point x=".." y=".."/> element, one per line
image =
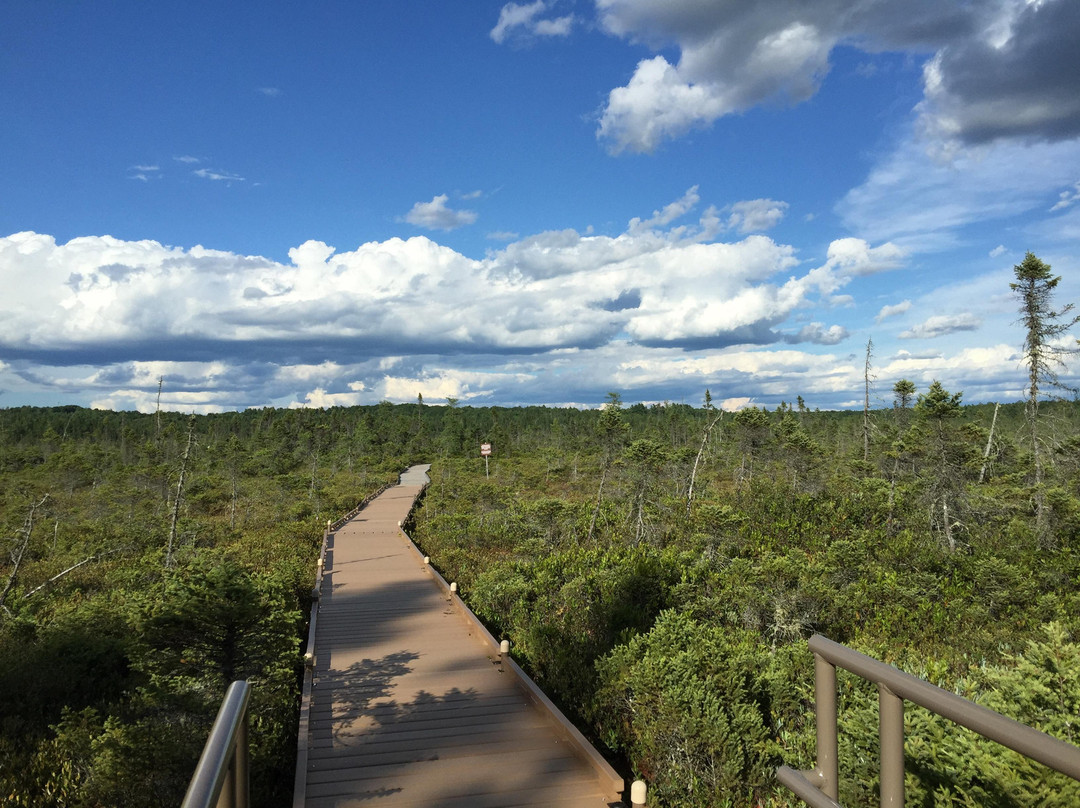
<point x="409" y="706"/>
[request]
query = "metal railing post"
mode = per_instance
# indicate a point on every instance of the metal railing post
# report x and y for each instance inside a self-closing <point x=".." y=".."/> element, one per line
<point x="819" y="787"/>
<point x="825" y="712"/>
<point x="242" y="765"/>
<point x="891" y="734"/>
<point x="227" y="798"/>
<point x="221" y="777"/>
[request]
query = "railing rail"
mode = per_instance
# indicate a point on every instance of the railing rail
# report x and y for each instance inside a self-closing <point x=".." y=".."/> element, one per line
<point x="819" y="787"/>
<point x="221" y="779"/>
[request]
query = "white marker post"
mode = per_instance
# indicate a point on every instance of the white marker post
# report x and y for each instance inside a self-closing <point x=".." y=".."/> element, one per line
<point x="504" y="652"/>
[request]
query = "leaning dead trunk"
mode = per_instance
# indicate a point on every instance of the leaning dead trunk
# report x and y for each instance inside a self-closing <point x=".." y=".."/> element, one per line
<point x="19" y="552"/>
<point x="70" y="569"/>
<point x="948" y="525"/>
<point x="599" y="500"/>
<point x="989" y="443"/>
<point x="697" y="460"/>
<point x="179" y="494"/>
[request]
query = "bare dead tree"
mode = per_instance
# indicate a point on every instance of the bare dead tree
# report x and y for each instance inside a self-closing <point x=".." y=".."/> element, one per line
<point x="169" y="561"/>
<point x="18" y="551"/>
<point x="613" y="430"/>
<point x="599" y="500"/>
<point x="157" y="411"/>
<point x="70" y="569"/>
<point x="989" y="443"/>
<point x="697" y="460"/>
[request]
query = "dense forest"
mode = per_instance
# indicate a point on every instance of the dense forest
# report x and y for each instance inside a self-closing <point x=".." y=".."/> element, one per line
<point x="657" y="568"/>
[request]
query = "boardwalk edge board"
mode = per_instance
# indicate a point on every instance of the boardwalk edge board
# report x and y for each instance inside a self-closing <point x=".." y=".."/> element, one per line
<point x="610" y="781"/>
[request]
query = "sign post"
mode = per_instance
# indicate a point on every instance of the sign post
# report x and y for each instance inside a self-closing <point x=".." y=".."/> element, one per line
<point x="485" y="452"/>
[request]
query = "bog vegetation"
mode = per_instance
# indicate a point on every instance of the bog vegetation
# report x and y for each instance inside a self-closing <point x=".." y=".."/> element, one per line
<point x="657" y="568"/>
<point x="146" y="561"/>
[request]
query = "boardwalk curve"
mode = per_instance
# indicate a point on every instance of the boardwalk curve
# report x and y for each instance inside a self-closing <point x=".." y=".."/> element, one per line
<point x="410" y="705"/>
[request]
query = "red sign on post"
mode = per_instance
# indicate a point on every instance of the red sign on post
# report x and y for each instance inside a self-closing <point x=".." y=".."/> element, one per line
<point x="485" y="449"/>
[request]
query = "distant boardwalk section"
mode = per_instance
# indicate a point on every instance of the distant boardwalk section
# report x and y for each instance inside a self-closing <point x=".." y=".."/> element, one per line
<point x="416" y="476"/>
<point x="410" y="705"/>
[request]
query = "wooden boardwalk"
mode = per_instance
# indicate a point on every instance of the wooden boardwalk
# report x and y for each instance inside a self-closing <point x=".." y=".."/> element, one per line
<point x="410" y="705"/>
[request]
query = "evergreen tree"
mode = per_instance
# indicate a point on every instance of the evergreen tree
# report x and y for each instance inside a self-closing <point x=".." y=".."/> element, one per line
<point x="938" y="410"/>
<point x="1034" y="288"/>
<point x="903" y="391"/>
<point x="866" y="401"/>
<point x="613" y="431"/>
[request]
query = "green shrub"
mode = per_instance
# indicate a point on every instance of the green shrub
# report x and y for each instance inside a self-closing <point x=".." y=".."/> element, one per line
<point x="700" y="711"/>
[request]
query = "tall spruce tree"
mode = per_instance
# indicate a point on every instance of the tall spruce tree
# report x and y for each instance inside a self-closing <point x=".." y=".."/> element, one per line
<point x="1034" y="289"/>
<point x="866" y="403"/>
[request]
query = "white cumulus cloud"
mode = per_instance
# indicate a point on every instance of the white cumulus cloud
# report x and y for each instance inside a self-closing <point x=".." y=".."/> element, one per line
<point x="893" y="310"/>
<point x="817" y="333"/>
<point x="524" y="20"/>
<point x="554" y="316"/>
<point x="756" y="215"/>
<point x="941" y="325"/>
<point x="437" y="215"/>
<point x="658" y="104"/>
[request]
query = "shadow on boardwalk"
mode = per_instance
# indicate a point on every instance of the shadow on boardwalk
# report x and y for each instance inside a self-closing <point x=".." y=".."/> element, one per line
<point x="408" y="708"/>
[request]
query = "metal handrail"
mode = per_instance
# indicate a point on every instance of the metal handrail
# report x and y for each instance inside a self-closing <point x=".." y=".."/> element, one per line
<point x="221" y="779"/>
<point x="819" y="787"/>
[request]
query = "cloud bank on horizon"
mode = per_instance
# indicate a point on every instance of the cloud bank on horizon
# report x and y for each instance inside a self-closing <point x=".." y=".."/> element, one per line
<point x="759" y="297"/>
<point x="407" y="314"/>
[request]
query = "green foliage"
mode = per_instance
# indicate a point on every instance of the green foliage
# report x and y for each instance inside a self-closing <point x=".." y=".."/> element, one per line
<point x="903" y="390"/>
<point x="79" y="659"/>
<point x="947" y="765"/>
<point x="566" y="609"/>
<point x="116" y="666"/>
<point x="699" y="709"/>
<point x="937" y="404"/>
<point x="789" y="533"/>
<point x="580" y="549"/>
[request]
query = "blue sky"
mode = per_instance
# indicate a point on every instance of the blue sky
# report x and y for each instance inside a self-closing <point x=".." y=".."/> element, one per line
<point x="515" y="203"/>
